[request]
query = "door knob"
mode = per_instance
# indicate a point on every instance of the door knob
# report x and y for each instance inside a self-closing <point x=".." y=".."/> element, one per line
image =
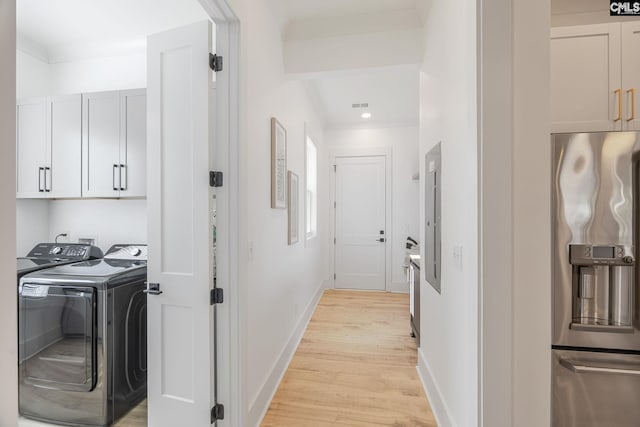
<point x="381" y="231"/>
<point x="381" y="239"/>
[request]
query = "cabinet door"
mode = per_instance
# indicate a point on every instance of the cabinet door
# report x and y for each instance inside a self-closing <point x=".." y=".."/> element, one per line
<point x="133" y="143"/>
<point x="631" y="74"/>
<point x="31" y="147"/>
<point x="64" y="173"/>
<point x="100" y="144"/>
<point x="586" y="85"/>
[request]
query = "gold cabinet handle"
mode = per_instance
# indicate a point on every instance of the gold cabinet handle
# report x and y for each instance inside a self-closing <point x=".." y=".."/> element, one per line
<point x="632" y="91"/>
<point x="619" y="93"/>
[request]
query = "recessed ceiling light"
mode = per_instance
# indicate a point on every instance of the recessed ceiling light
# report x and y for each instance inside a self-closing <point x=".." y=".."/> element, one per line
<point x="366" y="115"/>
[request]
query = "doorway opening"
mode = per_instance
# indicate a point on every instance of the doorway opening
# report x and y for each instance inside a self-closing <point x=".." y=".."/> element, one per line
<point x="82" y="102"/>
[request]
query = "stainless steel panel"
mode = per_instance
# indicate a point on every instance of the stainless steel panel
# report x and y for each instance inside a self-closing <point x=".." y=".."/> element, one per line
<point x="593" y="205"/>
<point x="433" y="226"/>
<point x="595" y="389"/>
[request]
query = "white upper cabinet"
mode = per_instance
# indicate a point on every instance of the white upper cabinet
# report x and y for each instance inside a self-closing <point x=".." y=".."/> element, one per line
<point x="48" y="147"/>
<point x="114" y="144"/>
<point x="64" y="133"/>
<point x="100" y="144"/>
<point x="595" y="77"/>
<point x="133" y="143"/>
<point x="586" y="89"/>
<point x="631" y="74"/>
<point x="32" y="151"/>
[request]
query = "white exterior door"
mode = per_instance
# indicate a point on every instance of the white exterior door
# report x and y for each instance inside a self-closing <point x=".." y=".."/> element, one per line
<point x="360" y="247"/>
<point x="631" y="74"/>
<point x="180" y="355"/>
<point x="586" y="92"/>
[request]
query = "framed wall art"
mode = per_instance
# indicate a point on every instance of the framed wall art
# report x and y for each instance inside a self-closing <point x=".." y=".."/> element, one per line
<point x="294" y="216"/>
<point x="278" y="165"/>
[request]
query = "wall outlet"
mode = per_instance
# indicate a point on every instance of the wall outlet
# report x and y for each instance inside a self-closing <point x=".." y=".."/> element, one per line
<point x="457" y="257"/>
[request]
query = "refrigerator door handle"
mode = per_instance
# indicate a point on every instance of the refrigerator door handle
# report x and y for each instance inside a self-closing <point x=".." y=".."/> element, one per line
<point x="586" y="369"/>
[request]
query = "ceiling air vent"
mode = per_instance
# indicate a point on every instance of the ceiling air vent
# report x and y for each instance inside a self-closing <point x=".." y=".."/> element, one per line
<point x="363" y="105"/>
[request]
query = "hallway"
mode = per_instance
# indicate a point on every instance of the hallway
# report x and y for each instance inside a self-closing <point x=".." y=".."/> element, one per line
<point x="355" y="366"/>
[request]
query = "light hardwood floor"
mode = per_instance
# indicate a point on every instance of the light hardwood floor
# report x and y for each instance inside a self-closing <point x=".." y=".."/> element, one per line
<point x="137" y="417"/>
<point x="355" y="366"/>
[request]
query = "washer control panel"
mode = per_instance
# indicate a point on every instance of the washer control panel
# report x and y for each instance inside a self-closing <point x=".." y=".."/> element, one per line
<point x="65" y="251"/>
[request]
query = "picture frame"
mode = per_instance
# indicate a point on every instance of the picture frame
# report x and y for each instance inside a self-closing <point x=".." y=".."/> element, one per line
<point x="278" y="165"/>
<point x="294" y="206"/>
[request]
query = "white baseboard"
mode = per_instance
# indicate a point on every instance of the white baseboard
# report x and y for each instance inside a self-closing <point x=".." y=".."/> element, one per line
<point x="399" y="287"/>
<point x="436" y="400"/>
<point x="260" y="405"/>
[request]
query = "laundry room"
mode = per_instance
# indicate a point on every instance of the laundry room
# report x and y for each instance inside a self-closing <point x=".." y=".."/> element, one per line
<point x="81" y="205"/>
<point x="68" y="55"/>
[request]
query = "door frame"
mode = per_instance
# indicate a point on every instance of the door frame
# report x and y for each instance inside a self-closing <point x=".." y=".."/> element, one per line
<point x="387" y="153"/>
<point x="231" y="361"/>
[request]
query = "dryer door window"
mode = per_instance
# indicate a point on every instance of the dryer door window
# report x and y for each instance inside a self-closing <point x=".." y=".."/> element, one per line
<point x="57" y="334"/>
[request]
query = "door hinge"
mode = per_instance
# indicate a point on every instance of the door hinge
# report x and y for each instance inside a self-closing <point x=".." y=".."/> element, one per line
<point x="334" y="205"/>
<point x="216" y="62"/>
<point x="215" y="179"/>
<point x="217" y="413"/>
<point x="334" y="168"/>
<point x="334" y="240"/>
<point x="217" y="296"/>
<point x="334" y="276"/>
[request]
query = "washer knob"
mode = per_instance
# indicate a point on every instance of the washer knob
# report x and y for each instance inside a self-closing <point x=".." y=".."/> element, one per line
<point x="628" y="259"/>
<point x="56" y="250"/>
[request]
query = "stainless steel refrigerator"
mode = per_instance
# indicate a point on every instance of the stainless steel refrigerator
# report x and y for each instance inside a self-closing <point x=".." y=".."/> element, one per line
<point x="596" y="335"/>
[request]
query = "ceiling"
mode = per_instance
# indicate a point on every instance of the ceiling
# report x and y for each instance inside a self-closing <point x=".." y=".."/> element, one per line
<point x="311" y="9"/>
<point x="52" y="23"/>
<point x="560" y="7"/>
<point x="392" y="95"/>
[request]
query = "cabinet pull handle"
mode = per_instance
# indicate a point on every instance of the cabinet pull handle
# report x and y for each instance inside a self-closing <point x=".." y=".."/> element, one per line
<point x="40" y="189"/>
<point x="113" y="177"/>
<point x="126" y="178"/>
<point x="47" y="188"/>
<point x="632" y="91"/>
<point x="619" y="93"/>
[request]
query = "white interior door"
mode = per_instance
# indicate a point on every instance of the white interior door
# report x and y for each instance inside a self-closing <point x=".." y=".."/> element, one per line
<point x="179" y="235"/>
<point x="360" y="233"/>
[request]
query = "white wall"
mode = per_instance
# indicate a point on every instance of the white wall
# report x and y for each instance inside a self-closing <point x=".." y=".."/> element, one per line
<point x="282" y="280"/>
<point x="32" y="224"/>
<point x="448" y="356"/>
<point x="93" y="75"/>
<point x="108" y="221"/>
<point x="8" y="308"/>
<point x="403" y="142"/>
<point x="34" y="76"/>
